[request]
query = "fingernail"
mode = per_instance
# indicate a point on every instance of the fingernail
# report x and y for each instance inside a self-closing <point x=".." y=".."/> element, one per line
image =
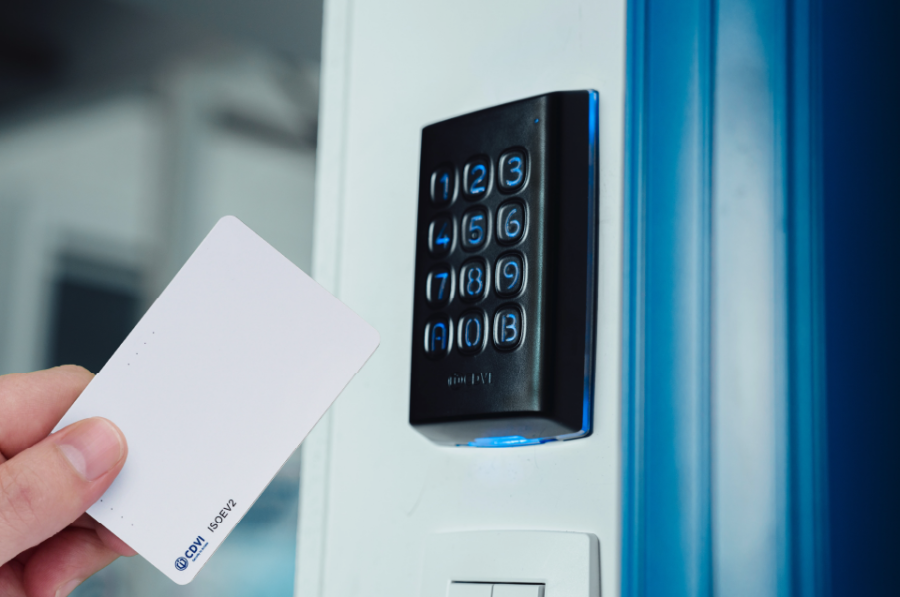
<point x="93" y="447"/>
<point x="68" y="587"/>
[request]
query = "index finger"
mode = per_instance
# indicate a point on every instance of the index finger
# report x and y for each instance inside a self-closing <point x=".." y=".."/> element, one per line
<point x="31" y="404"/>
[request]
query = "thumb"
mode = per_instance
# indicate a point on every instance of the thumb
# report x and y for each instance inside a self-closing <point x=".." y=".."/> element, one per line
<point x="47" y="486"/>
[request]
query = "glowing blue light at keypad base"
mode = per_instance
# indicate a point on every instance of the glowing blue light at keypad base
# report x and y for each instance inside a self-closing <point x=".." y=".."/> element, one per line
<point x="507" y="441"/>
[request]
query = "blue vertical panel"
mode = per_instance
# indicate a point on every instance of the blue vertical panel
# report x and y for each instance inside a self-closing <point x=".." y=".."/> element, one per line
<point x="807" y="478"/>
<point x="666" y="549"/>
<point x="686" y="349"/>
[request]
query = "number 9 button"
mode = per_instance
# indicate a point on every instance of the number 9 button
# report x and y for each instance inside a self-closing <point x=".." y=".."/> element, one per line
<point x="510" y="275"/>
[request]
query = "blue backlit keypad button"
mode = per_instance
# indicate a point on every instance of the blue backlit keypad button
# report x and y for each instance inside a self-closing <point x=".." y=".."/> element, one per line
<point x="511" y="222"/>
<point x="512" y="169"/>
<point x="510" y="274"/>
<point x="473" y="280"/>
<point x="473" y="235"/>
<point x="476" y="177"/>
<point x="443" y="185"/>
<point x="438" y="336"/>
<point x="472" y="332"/>
<point x="439" y="286"/>
<point x="440" y="236"/>
<point x="508" y="328"/>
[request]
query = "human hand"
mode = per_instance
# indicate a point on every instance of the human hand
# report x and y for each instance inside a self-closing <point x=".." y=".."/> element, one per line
<point x="48" y="545"/>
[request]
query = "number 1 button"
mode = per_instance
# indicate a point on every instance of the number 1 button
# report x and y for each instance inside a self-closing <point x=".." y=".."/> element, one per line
<point x="512" y="170"/>
<point x="443" y="186"/>
<point x="440" y="236"/>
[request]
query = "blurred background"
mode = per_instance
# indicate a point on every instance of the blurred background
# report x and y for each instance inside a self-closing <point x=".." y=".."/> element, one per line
<point x="127" y="128"/>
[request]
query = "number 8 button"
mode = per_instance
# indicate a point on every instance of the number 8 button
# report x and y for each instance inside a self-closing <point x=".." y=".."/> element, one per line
<point x="473" y="282"/>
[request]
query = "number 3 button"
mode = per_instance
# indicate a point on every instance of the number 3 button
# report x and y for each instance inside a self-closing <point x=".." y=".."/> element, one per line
<point x="512" y="170"/>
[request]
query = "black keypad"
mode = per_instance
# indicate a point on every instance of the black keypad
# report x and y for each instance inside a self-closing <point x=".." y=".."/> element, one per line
<point x="510" y="275"/>
<point x="440" y="236"/>
<point x="512" y="170"/>
<point x="439" y="286"/>
<point x="475" y="228"/>
<point x="505" y="246"/>
<point x="438" y="336"/>
<point x="508" y="328"/>
<point x="511" y="222"/>
<point x="473" y="280"/>
<point x="472" y="332"/>
<point x="477" y="178"/>
<point x="443" y="185"/>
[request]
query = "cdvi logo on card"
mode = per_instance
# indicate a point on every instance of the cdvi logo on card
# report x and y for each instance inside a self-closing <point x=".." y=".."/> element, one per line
<point x="191" y="553"/>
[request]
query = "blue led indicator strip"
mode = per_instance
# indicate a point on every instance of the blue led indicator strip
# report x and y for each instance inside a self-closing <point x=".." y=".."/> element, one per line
<point x="509" y="441"/>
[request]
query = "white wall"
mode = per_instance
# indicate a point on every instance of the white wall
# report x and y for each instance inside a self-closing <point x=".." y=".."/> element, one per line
<point x="373" y="490"/>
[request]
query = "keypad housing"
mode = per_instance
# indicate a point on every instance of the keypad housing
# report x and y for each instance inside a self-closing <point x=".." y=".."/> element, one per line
<point x="528" y="192"/>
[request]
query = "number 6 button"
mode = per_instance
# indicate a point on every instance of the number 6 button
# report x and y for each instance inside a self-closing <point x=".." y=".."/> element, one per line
<point x="511" y="222"/>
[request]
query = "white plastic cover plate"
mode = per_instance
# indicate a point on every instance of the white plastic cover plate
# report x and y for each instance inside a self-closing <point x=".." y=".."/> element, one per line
<point x="566" y="564"/>
<point x="215" y="387"/>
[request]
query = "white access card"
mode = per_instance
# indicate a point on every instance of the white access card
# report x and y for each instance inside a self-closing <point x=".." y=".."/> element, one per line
<point x="214" y="388"/>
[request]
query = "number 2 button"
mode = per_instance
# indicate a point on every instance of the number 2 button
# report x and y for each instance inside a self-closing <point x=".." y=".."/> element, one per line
<point x="512" y="170"/>
<point x="476" y="178"/>
<point x="440" y="236"/>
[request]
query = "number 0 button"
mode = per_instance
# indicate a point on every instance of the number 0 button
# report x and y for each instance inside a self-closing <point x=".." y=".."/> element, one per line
<point x="512" y="170"/>
<point x="510" y="275"/>
<point x="473" y="280"/>
<point x="439" y="286"/>
<point x="438" y="335"/>
<point x="507" y="328"/>
<point x="472" y="332"/>
<point x="511" y="222"/>
<point x="440" y="236"/>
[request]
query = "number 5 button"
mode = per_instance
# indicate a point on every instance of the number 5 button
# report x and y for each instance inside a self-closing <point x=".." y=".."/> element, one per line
<point x="512" y="170"/>
<point x="474" y="229"/>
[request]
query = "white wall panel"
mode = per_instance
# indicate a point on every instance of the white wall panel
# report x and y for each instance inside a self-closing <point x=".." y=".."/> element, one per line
<point x="390" y="68"/>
